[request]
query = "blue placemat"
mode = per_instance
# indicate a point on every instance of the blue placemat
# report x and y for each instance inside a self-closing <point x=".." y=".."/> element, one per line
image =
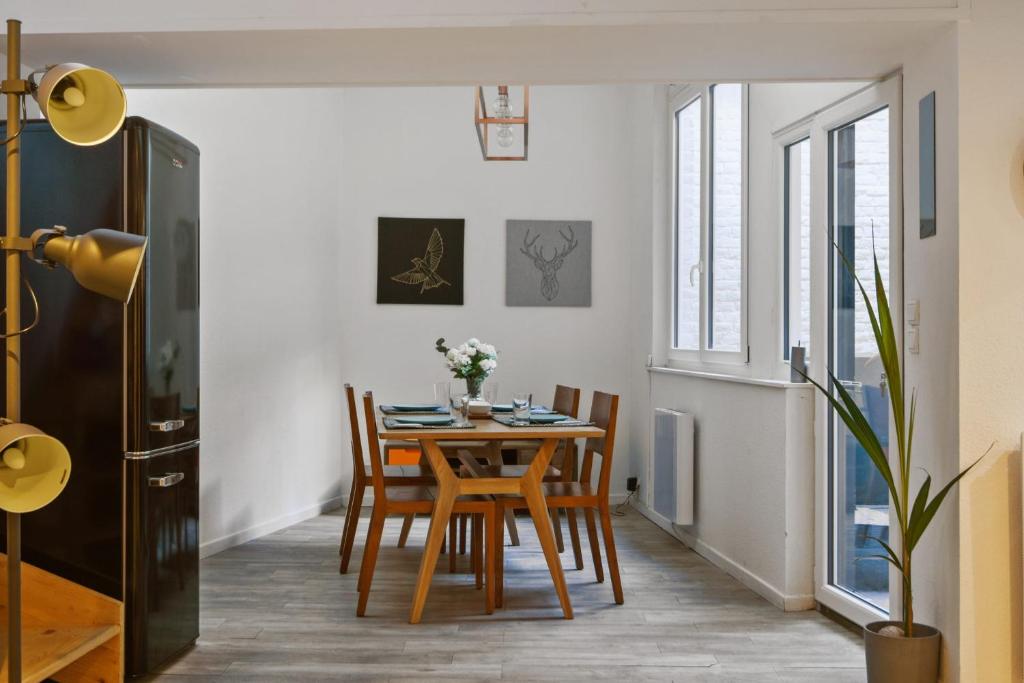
<point x="397" y="423"/>
<point x="541" y="420"/>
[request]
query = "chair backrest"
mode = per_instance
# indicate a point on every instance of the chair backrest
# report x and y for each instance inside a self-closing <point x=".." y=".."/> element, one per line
<point x="567" y="401"/>
<point x="604" y="411"/>
<point x="358" y="469"/>
<point x="373" y="446"/>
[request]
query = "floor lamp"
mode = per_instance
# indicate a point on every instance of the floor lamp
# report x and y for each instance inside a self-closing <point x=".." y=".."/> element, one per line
<point x="85" y="106"/>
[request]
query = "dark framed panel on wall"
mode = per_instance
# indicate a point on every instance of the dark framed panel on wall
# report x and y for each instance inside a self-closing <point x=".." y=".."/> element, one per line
<point x="926" y="165"/>
<point x="420" y="260"/>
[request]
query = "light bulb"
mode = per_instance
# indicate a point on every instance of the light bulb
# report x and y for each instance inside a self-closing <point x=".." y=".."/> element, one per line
<point x="74" y="97"/>
<point x="502" y="110"/>
<point x="14" y="458"/>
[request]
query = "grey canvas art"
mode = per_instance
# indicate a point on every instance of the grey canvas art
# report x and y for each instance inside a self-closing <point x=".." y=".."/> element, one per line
<point x="547" y="263"/>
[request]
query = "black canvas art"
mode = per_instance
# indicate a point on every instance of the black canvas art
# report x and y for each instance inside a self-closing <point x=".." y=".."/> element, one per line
<point x="419" y="260"/>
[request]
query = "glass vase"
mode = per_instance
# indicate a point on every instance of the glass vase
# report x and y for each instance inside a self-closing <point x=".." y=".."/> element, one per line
<point x="474" y="387"/>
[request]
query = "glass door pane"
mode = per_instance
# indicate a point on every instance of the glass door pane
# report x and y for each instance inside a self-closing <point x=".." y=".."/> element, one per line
<point x="859" y="499"/>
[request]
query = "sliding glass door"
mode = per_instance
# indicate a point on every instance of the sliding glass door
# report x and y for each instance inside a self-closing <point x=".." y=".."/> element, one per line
<point x="859" y="498"/>
<point x="855" y="214"/>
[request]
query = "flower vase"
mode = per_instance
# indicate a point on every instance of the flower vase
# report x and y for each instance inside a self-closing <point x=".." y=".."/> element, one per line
<point x="474" y="388"/>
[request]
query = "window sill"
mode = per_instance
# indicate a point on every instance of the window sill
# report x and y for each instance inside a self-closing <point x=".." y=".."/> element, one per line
<point x="723" y="377"/>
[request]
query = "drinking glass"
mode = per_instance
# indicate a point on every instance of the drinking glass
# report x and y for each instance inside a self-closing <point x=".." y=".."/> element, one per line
<point x="458" y="406"/>
<point x="491" y="392"/>
<point x="442" y="392"/>
<point x="521" y="408"/>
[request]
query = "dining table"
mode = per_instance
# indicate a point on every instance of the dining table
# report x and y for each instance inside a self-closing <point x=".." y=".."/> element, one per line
<point x="450" y="485"/>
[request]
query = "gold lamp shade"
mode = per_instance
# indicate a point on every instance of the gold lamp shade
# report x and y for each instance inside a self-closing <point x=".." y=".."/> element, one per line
<point x="84" y="105"/>
<point x="34" y="468"/>
<point x="103" y="261"/>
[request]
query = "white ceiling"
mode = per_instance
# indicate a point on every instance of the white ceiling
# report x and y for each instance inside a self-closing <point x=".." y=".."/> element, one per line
<point x="348" y="42"/>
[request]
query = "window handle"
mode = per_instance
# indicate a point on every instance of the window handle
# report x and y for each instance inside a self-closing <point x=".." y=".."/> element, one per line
<point x="699" y="267"/>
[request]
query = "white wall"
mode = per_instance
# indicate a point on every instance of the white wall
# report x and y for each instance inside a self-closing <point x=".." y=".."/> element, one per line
<point x="270" y="245"/>
<point x="928" y="266"/>
<point x="991" y="325"/>
<point x="412" y="152"/>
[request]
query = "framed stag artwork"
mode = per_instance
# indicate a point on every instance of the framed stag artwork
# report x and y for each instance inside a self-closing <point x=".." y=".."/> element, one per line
<point x="419" y="260"/>
<point x="547" y="263"/>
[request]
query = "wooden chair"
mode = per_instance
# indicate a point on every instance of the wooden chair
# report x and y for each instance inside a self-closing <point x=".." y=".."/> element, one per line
<point x="393" y="476"/>
<point x="582" y="494"/>
<point x="567" y="402"/>
<point x="407" y="500"/>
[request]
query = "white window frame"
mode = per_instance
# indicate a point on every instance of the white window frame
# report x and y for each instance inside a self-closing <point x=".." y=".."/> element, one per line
<point x="799" y="132"/>
<point x="695" y="357"/>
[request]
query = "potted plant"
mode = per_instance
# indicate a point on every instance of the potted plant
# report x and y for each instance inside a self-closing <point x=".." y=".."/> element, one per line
<point x="472" y="361"/>
<point x="896" y="651"/>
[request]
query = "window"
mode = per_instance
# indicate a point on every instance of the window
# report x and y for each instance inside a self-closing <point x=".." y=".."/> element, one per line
<point x="796" y="247"/>
<point x="688" y="201"/>
<point x="709" y="216"/>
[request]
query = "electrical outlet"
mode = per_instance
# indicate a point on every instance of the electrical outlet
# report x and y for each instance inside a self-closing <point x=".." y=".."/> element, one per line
<point x="631" y="484"/>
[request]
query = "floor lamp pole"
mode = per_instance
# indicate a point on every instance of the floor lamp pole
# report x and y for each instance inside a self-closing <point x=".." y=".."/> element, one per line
<point x="12" y="321"/>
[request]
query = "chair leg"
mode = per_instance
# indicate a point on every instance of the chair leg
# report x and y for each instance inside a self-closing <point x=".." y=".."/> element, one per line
<point x="487" y="522"/>
<point x="348" y="518"/>
<point x="406" y="528"/>
<point x="493" y="456"/>
<point x="355" y="503"/>
<point x="498" y="545"/>
<point x="556" y="523"/>
<point x="452" y="540"/>
<point x="476" y="549"/>
<point x="595" y="548"/>
<point x="462" y="534"/>
<point x="609" y="548"/>
<point x="370" y="557"/>
<point x="574" y="537"/>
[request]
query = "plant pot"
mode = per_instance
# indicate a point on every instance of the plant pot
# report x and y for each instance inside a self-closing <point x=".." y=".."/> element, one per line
<point x="894" y="659"/>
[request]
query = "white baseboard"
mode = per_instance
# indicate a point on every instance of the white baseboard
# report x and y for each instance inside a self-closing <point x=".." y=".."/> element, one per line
<point x="256" y="531"/>
<point x="245" y="535"/>
<point x="787" y="603"/>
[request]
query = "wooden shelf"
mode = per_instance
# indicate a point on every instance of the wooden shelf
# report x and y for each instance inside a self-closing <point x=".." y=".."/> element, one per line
<point x="46" y="651"/>
<point x="69" y="632"/>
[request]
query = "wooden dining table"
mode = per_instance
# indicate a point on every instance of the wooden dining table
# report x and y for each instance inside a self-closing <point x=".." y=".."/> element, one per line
<point x="450" y="486"/>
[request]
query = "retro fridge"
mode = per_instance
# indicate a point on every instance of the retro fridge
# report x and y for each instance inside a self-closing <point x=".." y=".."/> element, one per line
<point x="119" y="384"/>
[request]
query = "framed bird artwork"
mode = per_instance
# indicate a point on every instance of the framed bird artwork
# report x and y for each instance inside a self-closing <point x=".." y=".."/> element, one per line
<point x="419" y="260"/>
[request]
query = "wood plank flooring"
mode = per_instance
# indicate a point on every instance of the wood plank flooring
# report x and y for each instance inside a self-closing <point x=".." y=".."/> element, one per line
<point x="276" y="609"/>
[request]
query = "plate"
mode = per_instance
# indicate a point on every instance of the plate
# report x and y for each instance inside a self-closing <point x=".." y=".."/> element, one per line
<point x="425" y="420"/>
<point x="547" y="419"/>
<point x="412" y="407"/>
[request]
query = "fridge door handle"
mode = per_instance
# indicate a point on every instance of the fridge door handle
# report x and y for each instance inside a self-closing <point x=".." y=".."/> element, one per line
<point x="166" y="425"/>
<point x="166" y="480"/>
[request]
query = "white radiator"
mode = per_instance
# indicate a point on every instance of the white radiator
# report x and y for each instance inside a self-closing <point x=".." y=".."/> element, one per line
<point x="672" y="470"/>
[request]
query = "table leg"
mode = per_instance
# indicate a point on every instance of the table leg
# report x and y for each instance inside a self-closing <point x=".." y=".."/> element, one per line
<point x="447" y="492"/>
<point x="531" y="489"/>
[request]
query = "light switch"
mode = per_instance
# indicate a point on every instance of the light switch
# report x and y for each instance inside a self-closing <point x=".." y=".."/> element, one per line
<point x="913" y="314"/>
<point x="914" y="340"/>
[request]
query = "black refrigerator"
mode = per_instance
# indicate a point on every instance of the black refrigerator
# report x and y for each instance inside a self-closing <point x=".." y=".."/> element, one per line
<point x="119" y="384"/>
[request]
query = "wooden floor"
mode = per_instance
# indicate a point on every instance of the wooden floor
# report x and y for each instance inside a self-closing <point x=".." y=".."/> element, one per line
<point x="276" y="609"/>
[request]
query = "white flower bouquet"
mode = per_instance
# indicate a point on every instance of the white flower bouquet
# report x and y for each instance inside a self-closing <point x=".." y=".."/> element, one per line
<point x="472" y="361"/>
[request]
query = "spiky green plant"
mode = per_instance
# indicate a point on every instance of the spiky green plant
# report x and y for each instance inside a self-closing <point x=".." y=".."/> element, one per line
<point x="913" y="517"/>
